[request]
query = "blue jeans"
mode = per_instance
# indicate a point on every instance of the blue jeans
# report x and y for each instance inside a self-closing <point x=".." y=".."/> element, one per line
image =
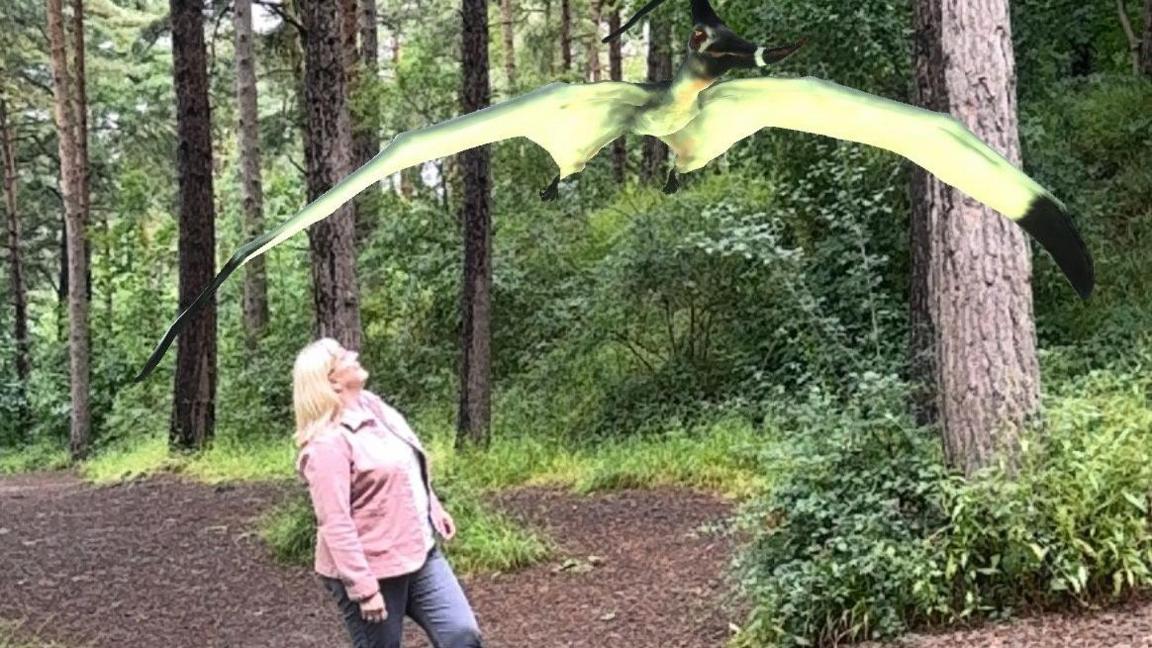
<point x="431" y="596"/>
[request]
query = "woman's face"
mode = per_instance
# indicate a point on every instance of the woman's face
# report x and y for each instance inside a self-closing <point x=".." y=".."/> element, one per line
<point x="346" y="371"/>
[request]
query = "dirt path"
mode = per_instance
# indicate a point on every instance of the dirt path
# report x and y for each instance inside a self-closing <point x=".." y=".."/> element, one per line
<point x="166" y="562"/>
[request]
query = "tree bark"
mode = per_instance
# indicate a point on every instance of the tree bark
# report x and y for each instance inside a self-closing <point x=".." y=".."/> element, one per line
<point x="616" y="73"/>
<point x="365" y="142"/>
<point x="566" y="34"/>
<point x="71" y="174"/>
<point x="971" y="291"/>
<point x="15" y="257"/>
<point x="1146" y="41"/>
<point x="80" y="110"/>
<point x="1133" y="40"/>
<point x="509" y="44"/>
<point x="592" y="69"/>
<point x="474" y="418"/>
<point x="327" y="152"/>
<point x="194" y="398"/>
<point x="255" y="294"/>
<point x="659" y="69"/>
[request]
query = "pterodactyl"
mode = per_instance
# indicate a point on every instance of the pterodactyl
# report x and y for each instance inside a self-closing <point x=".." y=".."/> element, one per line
<point x="700" y="118"/>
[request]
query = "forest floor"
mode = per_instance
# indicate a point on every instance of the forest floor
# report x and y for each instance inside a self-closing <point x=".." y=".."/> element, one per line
<point x="164" y="561"/>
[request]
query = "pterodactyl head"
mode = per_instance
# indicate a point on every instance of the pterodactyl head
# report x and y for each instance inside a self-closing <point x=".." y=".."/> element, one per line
<point x="713" y="48"/>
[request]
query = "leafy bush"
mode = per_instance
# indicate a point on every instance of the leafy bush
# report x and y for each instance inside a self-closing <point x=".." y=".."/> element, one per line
<point x="866" y="534"/>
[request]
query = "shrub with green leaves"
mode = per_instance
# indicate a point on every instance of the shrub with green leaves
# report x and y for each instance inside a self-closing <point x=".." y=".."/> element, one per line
<point x="867" y="534"/>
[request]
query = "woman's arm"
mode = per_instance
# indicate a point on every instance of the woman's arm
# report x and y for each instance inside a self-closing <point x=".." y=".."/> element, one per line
<point x="325" y="466"/>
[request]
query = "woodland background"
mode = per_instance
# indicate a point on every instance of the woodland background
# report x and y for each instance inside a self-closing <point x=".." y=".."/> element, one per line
<point x="749" y="334"/>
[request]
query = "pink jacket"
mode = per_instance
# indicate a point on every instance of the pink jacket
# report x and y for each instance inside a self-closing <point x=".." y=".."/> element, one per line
<point x="368" y="525"/>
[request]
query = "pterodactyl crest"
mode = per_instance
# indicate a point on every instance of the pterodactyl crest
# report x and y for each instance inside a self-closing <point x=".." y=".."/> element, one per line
<point x="700" y="118"/>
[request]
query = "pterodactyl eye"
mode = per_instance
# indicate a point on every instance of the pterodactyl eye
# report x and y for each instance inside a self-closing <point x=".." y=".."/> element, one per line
<point x="698" y="38"/>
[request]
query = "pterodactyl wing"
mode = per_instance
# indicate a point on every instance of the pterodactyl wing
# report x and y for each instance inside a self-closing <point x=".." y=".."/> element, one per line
<point x="733" y="110"/>
<point x="571" y="122"/>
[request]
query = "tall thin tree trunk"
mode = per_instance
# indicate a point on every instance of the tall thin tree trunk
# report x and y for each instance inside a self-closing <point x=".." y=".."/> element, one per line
<point x="328" y="152"/>
<point x="194" y="398"/>
<point x="365" y="140"/>
<point x="410" y="176"/>
<point x="71" y="175"/>
<point x="616" y="73"/>
<point x="15" y="257"/>
<point x="1134" y="43"/>
<point x="592" y="68"/>
<point x="971" y="291"/>
<point x="1146" y="41"/>
<point x="566" y="34"/>
<point x="255" y="295"/>
<point x="80" y="110"/>
<point x="474" y="417"/>
<point x="659" y="69"/>
<point x="509" y="44"/>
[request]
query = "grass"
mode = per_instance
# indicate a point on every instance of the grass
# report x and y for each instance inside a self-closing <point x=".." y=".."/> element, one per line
<point x="37" y="456"/>
<point x="717" y="457"/>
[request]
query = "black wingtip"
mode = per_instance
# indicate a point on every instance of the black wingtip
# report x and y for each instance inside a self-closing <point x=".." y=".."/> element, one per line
<point x="1049" y="224"/>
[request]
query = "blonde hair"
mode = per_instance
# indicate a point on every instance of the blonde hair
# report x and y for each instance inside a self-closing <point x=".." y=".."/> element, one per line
<point x="314" y="400"/>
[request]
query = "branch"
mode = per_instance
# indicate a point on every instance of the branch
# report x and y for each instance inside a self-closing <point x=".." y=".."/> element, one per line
<point x="1133" y="42"/>
<point x="278" y="9"/>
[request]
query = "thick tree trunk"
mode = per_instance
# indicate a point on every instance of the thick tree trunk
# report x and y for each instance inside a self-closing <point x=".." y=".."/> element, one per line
<point x="659" y="69"/>
<point x="255" y="296"/>
<point x="327" y="152"/>
<point x="71" y="175"/>
<point x="971" y="291"/>
<point x="616" y="73"/>
<point x="592" y="68"/>
<point x="566" y="34"/>
<point x="194" y="412"/>
<point x="474" y="417"/>
<point x="509" y="44"/>
<point x="1146" y="41"/>
<point x="15" y="257"/>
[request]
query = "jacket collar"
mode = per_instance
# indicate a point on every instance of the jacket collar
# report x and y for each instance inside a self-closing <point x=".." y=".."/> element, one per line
<point x="357" y="418"/>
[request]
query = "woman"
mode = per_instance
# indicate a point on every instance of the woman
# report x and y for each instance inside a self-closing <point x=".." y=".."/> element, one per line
<point x="375" y="509"/>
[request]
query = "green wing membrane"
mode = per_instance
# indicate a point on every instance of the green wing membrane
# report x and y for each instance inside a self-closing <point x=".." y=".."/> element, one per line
<point x="733" y="110"/>
<point x="571" y="122"/>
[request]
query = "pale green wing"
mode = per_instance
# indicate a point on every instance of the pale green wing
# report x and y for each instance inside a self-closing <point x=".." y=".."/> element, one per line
<point x="733" y="110"/>
<point x="571" y="122"/>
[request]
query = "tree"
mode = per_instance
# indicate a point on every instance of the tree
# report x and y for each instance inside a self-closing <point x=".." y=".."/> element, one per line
<point x="592" y="69"/>
<point x="15" y="261"/>
<point x="566" y="34"/>
<point x="1146" y="41"/>
<point x="66" y="106"/>
<point x="255" y="299"/>
<point x="474" y="417"/>
<point x="194" y="397"/>
<point x="616" y="73"/>
<point x="509" y="44"/>
<point x="973" y="333"/>
<point x="659" y="69"/>
<point x="327" y="153"/>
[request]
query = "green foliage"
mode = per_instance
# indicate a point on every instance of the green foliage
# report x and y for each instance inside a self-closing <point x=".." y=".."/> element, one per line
<point x="486" y="540"/>
<point x="865" y="534"/>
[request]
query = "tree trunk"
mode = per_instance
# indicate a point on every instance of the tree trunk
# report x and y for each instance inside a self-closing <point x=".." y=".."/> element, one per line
<point x="616" y="73"/>
<point x="71" y="175"/>
<point x="474" y="416"/>
<point x="659" y="69"/>
<point x="509" y="44"/>
<point x="410" y="176"/>
<point x="566" y="34"/>
<point x="15" y="258"/>
<point x="194" y="399"/>
<point x="365" y="141"/>
<point x="1146" y="41"/>
<point x="327" y="152"/>
<point x="971" y="291"/>
<point x="1134" y="49"/>
<point x="592" y="69"/>
<point x="80" y="110"/>
<point x="255" y="295"/>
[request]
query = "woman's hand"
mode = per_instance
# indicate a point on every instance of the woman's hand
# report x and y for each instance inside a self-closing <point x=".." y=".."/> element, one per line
<point x="372" y="608"/>
<point x="445" y="525"/>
